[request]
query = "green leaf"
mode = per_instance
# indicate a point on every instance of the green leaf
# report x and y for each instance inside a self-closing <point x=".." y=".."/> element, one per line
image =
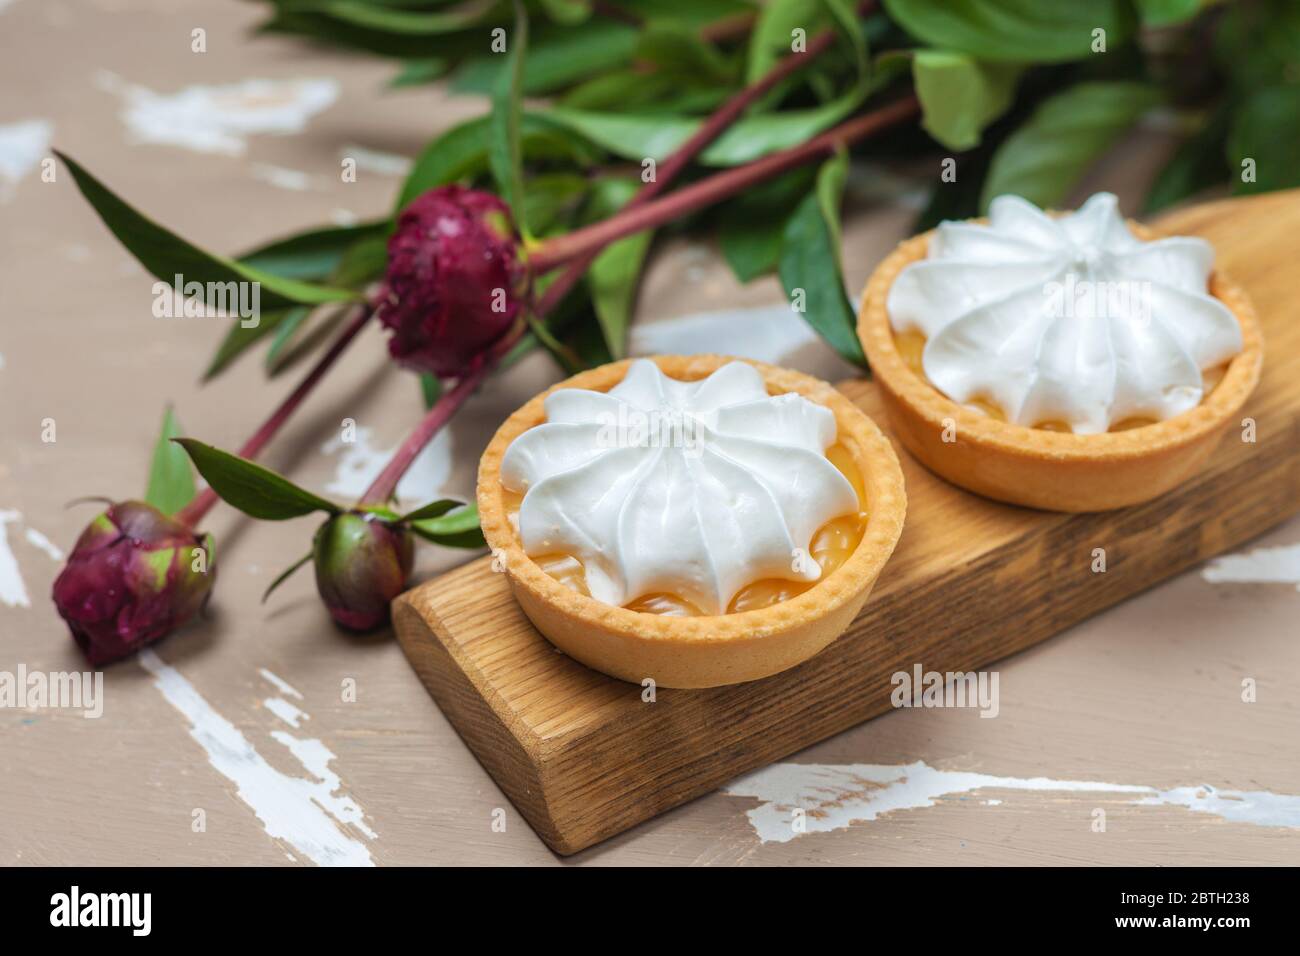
<point x="636" y="91"/>
<point x="241" y="337"/>
<point x="284" y="334"/>
<point x="567" y="12"/>
<point x="348" y="257"/>
<point x="1258" y="44"/>
<point x="549" y="197"/>
<point x="1266" y="135"/>
<point x="1166" y="13"/>
<point x="637" y="136"/>
<point x="751" y="229"/>
<point x="506" y="153"/>
<point x="166" y="255"/>
<point x="399" y="21"/>
<point x="1016" y="31"/>
<point x="285" y="575"/>
<point x="772" y="37"/>
<point x="961" y="96"/>
<point x="433" y="509"/>
<point x="1050" y="152"/>
<point x="171" y="481"/>
<point x="616" y="272"/>
<point x="810" y="263"/>
<point x="395" y="20"/>
<point x="677" y="51"/>
<point x="430" y="389"/>
<point x="254" y="490"/>
<point x="419" y="72"/>
<point x="1199" y="163"/>
<point x="558" y="55"/>
<point x="313" y="254"/>
<point x="461" y="153"/>
<point x="457" y="529"/>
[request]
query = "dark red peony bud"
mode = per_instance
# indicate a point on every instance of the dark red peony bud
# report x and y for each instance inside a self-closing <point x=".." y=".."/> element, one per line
<point x="362" y="563"/>
<point x="454" y="283"/>
<point x="134" y="575"/>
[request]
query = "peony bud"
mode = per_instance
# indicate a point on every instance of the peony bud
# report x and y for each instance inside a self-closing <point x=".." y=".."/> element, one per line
<point x="362" y="563"/>
<point x="134" y="575"/>
<point x="454" y="282"/>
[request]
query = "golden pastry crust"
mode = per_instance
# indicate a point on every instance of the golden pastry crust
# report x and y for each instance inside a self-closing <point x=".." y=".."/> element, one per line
<point x="1056" y="471"/>
<point x="705" y="651"/>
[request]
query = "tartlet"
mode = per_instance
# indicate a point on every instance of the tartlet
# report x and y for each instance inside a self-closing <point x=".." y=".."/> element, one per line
<point x="1034" y="466"/>
<point x="704" y="650"/>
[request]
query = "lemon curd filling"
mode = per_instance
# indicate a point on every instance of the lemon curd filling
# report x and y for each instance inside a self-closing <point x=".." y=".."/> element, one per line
<point x="830" y="547"/>
<point x="911" y="346"/>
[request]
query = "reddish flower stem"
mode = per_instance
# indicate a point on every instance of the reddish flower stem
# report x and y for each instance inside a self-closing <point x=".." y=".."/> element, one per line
<point x="193" y="512"/>
<point x="712" y="128"/>
<point x="385" y="483"/>
<point x="562" y="249"/>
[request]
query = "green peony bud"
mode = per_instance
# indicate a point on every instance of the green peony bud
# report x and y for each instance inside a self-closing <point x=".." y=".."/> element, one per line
<point x="362" y="562"/>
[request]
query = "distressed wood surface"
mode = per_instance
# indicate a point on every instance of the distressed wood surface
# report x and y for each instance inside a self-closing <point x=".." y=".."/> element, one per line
<point x="1148" y="692"/>
<point x="584" y="757"/>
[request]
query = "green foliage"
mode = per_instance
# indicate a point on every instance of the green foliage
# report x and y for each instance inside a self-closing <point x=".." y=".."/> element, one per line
<point x="1025" y="96"/>
<point x="171" y="480"/>
<point x="1050" y="152"/>
<point x="257" y="491"/>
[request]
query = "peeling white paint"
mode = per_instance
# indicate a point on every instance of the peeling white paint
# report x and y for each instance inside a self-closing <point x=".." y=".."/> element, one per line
<point x="1259" y="566"/>
<point x="22" y="147"/>
<point x="219" y="119"/>
<point x="308" y="814"/>
<point x="38" y="540"/>
<point x="375" y="161"/>
<point x="834" y="796"/>
<point x="282" y="685"/>
<point x="1259" y="807"/>
<point x="360" y="463"/>
<point x="13" y="591"/>
<point x="286" y="711"/>
<point x="316" y="758"/>
<point x="281" y="177"/>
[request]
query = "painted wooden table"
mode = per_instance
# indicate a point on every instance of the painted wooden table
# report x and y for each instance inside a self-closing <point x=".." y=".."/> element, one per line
<point x="263" y="735"/>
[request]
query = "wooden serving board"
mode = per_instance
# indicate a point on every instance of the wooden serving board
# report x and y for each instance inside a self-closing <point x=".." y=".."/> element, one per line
<point x="583" y="757"/>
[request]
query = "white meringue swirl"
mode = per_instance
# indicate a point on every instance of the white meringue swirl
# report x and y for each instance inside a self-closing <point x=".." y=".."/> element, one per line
<point x="1070" y="319"/>
<point x="690" y="488"/>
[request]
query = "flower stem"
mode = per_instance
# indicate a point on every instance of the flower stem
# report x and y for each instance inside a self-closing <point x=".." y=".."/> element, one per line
<point x="385" y="483"/>
<point x="193" y="512"/>
<point x="706" y="192"/>
<point x="717" y="123"/>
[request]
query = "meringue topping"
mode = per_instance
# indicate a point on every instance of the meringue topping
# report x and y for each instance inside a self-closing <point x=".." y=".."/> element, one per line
<point x="1069" y="319"/>
<point x="697" y="489"/>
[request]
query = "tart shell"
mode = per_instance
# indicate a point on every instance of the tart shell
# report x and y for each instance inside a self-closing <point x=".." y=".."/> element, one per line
<point x="1055" y="471"/>
<point x="703" y="651"/>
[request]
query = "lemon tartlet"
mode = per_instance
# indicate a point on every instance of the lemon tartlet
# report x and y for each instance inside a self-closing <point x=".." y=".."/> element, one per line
<point x="691" y="520"/>
<point x="1076" y="362"/>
